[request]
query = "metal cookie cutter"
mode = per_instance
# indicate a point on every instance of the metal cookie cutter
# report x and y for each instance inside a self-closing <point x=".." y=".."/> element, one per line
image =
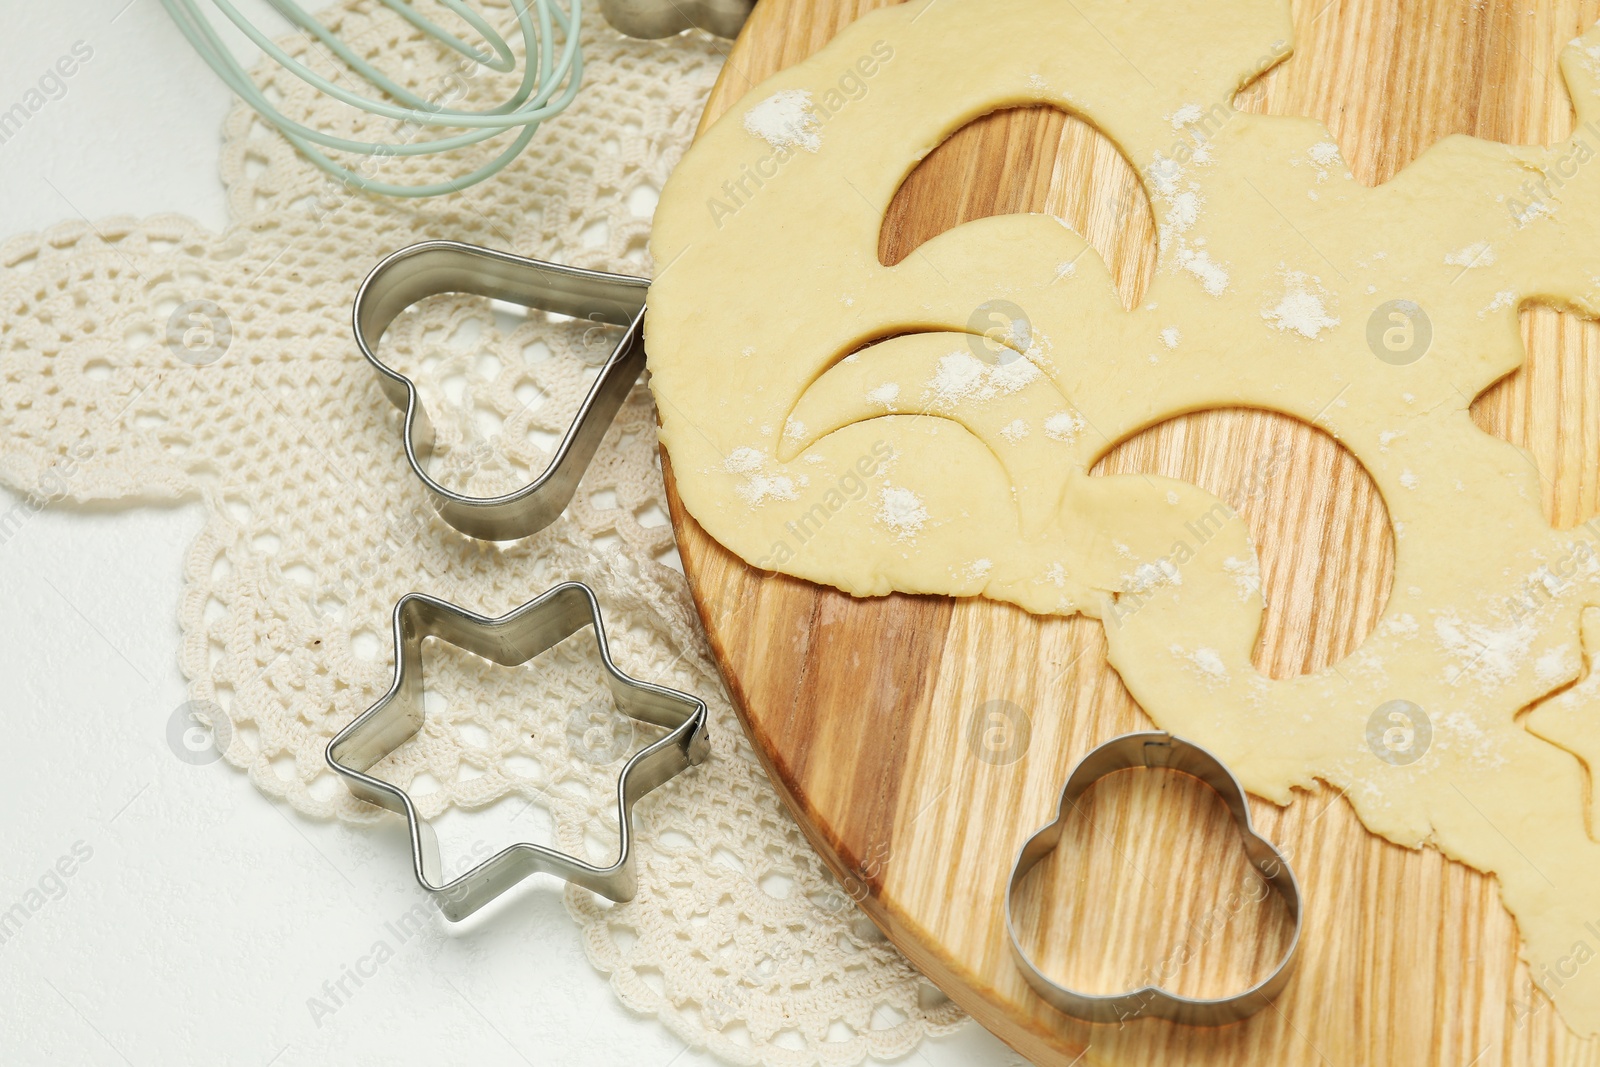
<point x="663" y="18"/>
<point x="1159" y="750"/>
<point x="512" y="639"/>
<point x="434" y="267"/>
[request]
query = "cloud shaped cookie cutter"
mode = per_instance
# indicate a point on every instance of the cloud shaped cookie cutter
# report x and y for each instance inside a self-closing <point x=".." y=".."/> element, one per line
<point x="433" y="267"/>
<point x="1162" y="751"/>
<point x="510" y="640"/>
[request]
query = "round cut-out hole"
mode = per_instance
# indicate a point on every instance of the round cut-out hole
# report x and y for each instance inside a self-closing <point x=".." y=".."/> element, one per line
<point x="1319" y="525"/>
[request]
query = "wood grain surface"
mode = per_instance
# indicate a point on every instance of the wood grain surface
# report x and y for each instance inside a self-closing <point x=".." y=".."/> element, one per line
<point x="919" y="741"/>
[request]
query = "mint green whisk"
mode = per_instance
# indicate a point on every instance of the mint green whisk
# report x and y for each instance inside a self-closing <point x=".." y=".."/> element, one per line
<point x="549" y="82"/>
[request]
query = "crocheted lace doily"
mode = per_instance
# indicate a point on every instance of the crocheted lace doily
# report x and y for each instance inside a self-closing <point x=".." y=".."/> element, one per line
<point x="151" y="358"/>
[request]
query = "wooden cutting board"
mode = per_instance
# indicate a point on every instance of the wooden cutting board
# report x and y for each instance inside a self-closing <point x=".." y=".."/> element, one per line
<point x="919" y="741"/>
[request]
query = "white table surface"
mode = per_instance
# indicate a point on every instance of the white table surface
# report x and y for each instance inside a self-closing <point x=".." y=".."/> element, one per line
<point x="205" y="917"/>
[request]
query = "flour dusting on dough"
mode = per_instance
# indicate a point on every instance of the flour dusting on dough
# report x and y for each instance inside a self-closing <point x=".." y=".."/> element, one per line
<point x="1063" y="425"/>
<point x="1164" y="174"/>
<point x="1484" y="652"/>
<point x="1299" y="309"/>
<point x="884" y="394"/>
<point x="901" y="510"/>
<point x="1246" y="574"/>
<point x="1526" y="213"/>
<point x="1206" y="659"/>
<point x="1185" y="210"/>
<point x="1459" y="729"/>
<point x="1403" y="625"/>
<point x="1148" y="576"/>
<point x="757" y="487"/>
<point x="1180" y="195"/>
<point x="1187" y="115"/>
<point x="1477" y="254"/>
<point x="1324" y="153"/>
<point x="1213" y="277"/>
<point x="1555" y="666"/>
<point x="786" y="119"/>
<point x="1502" y="300"/>
<point x="1014" y="431"/>
<point x="962" y="376"/>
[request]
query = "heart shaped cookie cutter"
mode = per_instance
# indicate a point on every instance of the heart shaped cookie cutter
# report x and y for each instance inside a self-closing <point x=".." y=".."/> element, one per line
<point x="1159" y="751"/>
<point x="435" y="267"/>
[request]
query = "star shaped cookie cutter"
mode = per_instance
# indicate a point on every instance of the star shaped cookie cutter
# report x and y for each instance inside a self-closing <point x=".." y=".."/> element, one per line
<point x="510" y="640"/>
<point x="1163" y="751"/>
<point x="433" y="267"/>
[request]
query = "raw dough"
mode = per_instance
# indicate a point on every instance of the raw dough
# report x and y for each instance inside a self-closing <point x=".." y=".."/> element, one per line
<point x="925" y="464"/>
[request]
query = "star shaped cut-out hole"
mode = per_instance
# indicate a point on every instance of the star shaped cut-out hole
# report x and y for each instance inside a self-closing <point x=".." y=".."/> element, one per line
<point x="511" y="640"/>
